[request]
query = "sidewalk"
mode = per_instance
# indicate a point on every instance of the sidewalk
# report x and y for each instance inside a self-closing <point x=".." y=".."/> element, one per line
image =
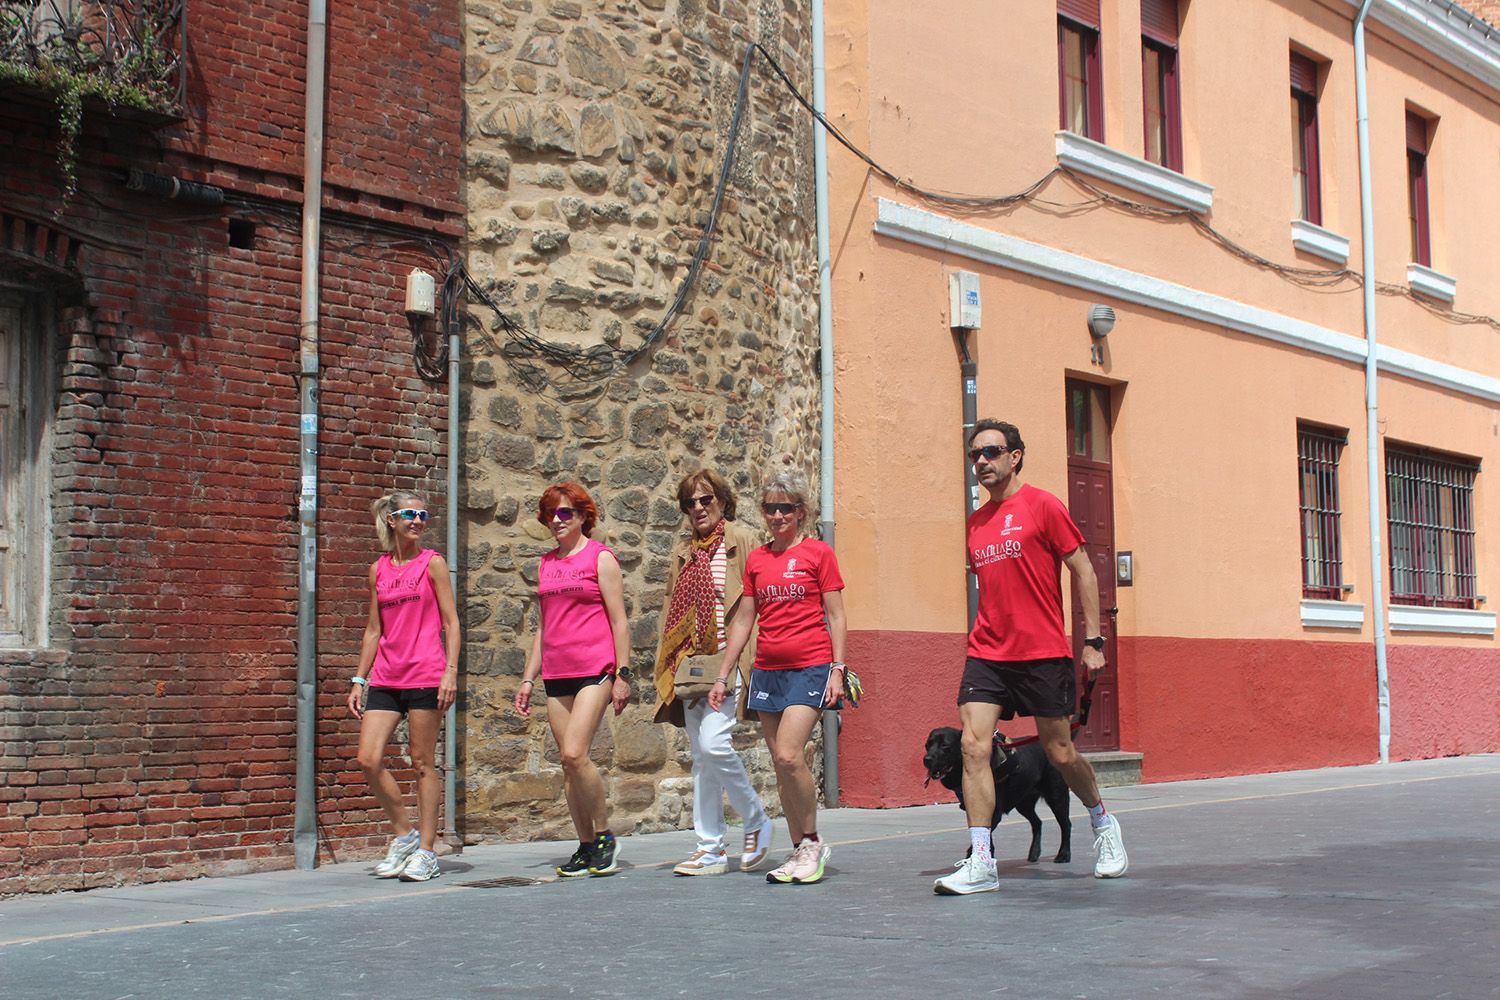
<point x="1351" y="882"/>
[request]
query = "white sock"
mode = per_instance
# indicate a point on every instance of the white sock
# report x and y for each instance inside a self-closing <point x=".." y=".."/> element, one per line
<point x="409" y="836"/>
<point x="1098" y="816"/>
<point x="979" y="839"/>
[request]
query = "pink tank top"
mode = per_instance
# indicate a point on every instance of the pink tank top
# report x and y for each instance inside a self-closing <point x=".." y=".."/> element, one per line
<point x="410" y="654"/>
<point x="576" y="638"/>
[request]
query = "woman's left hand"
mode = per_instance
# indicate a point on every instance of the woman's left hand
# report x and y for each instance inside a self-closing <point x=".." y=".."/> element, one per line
<point x="448" y="689"/>
<point x="835" y="689"/>
<point x="621" y="694"/>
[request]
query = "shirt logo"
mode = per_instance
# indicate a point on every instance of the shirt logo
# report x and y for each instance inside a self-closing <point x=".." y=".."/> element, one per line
<point x="995" y="552"/>
<point x="1008" y="527"/>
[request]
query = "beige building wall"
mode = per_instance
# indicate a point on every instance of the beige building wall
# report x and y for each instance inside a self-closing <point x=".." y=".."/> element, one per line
<point x="1205" y="480"/>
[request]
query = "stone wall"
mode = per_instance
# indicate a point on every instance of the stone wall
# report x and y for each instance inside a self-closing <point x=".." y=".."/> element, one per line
<point x="594" y="139"/>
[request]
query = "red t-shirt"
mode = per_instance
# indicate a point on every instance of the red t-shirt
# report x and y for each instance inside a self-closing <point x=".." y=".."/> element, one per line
<point x="789" y="588"/>
<point x="1016" y="548"/>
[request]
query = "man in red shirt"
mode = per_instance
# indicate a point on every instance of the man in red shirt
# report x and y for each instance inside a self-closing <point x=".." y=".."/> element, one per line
<point x="1018" y="654"/>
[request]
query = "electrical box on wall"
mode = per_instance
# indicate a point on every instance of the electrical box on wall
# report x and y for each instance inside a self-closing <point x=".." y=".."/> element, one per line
<point x="963" y="300"/>
<point x="421" y="293"/>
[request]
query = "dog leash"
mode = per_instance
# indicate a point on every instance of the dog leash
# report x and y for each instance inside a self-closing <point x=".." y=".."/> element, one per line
<point x="1084" y="705"/>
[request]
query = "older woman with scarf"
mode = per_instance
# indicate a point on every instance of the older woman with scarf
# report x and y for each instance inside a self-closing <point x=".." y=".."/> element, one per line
<point x="705" y="585"/>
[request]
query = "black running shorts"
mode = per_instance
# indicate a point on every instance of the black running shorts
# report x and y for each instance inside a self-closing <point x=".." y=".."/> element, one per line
<point x="1045" y="688"/>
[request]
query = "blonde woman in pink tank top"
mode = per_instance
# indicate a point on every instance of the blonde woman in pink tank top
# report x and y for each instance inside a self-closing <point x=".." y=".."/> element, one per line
<point x="408" y="666"/>
<point x="580" y="653"/>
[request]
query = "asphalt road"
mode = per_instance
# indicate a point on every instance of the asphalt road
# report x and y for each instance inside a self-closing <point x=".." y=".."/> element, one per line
<point x="1368" y="882"/>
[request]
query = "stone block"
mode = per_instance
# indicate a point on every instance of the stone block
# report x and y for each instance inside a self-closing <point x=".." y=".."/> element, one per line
<point x="516" y="789"/>
<point x="541" y="48"/>
<point x="640" y="744"/>
<point x="592" y="57"/>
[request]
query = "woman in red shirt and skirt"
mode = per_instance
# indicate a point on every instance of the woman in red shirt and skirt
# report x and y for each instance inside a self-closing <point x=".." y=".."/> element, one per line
<point x="794" y="585"/>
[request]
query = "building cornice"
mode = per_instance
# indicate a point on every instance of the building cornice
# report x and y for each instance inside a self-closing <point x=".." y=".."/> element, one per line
<point x="1445" y="30"/>
<point x="939" y="232"/>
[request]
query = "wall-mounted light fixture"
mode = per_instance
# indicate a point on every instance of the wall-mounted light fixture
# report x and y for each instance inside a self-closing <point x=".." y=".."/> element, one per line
<point x="1101" y="321"/>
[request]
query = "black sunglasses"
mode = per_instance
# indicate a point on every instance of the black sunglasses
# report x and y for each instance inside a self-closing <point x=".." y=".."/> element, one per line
<point x="779" y="508"/>
<point x="989" y="453"/>
<point x="694" y="502"/>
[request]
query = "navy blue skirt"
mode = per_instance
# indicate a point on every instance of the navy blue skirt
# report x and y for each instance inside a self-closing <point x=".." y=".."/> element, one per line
<point x="776" y="690"/>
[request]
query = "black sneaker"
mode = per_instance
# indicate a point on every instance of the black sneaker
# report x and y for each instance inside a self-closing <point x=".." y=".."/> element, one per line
<point x="606" y="856"/>
<point x="578" y="864"/>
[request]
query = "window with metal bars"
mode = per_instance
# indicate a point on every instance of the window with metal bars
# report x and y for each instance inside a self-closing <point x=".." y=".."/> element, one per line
<point x="1318" y="451"/>
<point x="1430" y="499"/>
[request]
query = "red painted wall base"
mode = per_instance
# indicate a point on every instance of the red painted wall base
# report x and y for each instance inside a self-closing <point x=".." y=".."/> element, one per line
<point x="1194" y="708"/>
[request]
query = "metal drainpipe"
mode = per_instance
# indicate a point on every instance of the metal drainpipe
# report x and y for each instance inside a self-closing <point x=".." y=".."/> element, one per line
<point x="831" y="720"/>
<point x="969" y="371"/>
<point x="1372" y="409"/>
<point x="450" y="740"/>
<point x="305" y="816"/>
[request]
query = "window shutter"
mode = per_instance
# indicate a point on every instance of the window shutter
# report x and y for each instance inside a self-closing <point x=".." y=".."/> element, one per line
<point x="1159" y="20"/>
<point x="1085" y="12"/>
<point x="1416" y="132"/>
<point x="1304" y="74"/>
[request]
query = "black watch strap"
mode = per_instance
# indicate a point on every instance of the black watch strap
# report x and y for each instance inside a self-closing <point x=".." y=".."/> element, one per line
<point x="1096" y="642"/>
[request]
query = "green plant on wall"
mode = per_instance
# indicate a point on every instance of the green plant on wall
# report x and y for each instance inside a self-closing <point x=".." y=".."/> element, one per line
<point x="73" y="61"/>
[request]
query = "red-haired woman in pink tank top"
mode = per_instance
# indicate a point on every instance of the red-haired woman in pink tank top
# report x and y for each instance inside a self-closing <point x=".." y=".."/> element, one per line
<point x="408" y="666"/>
<point x="581" y="653"/>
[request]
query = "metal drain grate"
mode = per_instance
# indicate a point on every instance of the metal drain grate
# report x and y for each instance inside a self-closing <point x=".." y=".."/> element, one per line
<point x="503" y="882"/>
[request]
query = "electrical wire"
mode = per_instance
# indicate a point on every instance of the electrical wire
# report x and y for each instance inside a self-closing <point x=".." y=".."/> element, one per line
<point x="545" y="367"/>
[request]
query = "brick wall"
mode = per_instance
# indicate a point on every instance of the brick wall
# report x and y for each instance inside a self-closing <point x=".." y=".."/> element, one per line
<point x="153" y="736"/>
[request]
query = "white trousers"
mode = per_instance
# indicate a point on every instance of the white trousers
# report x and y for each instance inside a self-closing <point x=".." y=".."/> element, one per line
<point x="717" y="770"/>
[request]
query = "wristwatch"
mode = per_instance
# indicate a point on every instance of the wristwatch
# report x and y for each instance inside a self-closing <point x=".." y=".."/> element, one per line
<point x="1095" y="642"/>
<point x="626" y="674"/>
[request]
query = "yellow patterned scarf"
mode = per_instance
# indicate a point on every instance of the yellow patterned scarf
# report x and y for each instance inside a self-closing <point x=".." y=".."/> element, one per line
<point x="692" y="615"/>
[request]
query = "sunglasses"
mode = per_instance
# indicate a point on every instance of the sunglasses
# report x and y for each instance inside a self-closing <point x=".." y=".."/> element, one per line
<point x="779" y="508"/>
<point x="692" y="503"/>
<point x="989" y="453"/>
<point x="563" y="514"/>
<point x="412" y="514"/>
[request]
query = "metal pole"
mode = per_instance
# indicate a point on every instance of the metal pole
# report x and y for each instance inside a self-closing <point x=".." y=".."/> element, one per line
<point x="1372" y="408"/>
<point x="305" y="813"/>
<point x="825" y="358"/>
<point x="970" y="374"/>
<point x="450" y="735"/>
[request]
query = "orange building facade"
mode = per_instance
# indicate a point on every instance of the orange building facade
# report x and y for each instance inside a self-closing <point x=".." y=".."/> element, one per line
<point x="1199" y="169"/>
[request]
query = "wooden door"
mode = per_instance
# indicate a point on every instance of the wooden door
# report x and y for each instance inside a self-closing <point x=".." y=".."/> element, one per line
<point x="1091" y="502"/>
<point x="10" y="486"/>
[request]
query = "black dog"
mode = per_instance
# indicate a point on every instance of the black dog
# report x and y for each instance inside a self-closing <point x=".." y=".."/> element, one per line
<point x="1022" y="776"/>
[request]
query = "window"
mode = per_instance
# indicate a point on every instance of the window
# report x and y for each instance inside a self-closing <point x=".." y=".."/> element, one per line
<point x="1163" y="107"/>
<point x="1307" y="195"/>
<point x="1431" y="502"/>
<point x="23" y="519"/>
<point x="1417" y="135"/>
<point x="1318" y="451"/>
<point x="1079" y="88"/>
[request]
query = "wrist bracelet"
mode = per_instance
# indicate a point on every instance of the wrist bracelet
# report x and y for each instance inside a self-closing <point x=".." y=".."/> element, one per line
<point x="836" y="665"/>
<point x="528" y="680"/>
<point x="722" y="680"/>
<point x="361" y="681"/>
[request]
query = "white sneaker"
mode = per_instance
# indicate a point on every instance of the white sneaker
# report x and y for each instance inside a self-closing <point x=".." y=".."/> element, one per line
<point x="1109" y="847"/>
<point x="973" y="875"/>
<point x="757" y="845"/>
<point x="703" y="863"/>
<point x="396" y="858"/>
<point x="420" y="867"/>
